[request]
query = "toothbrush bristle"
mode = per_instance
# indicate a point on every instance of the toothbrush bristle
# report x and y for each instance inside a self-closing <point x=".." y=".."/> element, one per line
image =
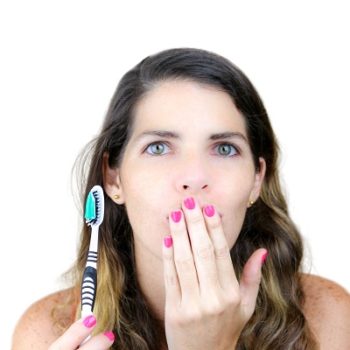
<point x="96" y="219"/>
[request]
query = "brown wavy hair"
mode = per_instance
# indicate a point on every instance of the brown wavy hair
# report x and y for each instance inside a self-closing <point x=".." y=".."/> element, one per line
<point x="278" y="321"/>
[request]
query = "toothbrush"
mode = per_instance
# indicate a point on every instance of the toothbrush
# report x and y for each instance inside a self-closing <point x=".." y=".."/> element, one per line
<point x="94" y="212"/>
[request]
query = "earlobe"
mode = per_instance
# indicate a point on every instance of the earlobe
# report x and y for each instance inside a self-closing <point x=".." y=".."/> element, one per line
<point x="111" y="181"/>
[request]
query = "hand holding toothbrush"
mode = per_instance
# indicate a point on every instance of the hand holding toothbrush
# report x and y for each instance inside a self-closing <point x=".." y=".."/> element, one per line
<point x="79" y="333"/>
<point x="80" y="330"/>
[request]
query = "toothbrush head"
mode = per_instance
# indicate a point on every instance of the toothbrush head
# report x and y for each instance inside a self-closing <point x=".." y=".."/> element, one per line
<point x="94" y="207"/>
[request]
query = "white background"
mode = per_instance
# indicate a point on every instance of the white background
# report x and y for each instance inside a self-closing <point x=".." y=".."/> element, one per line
<point x="60" y="64"/>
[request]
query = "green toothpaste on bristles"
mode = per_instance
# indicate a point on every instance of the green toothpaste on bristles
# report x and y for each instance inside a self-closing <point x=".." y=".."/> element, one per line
<point x="90" y="207"/>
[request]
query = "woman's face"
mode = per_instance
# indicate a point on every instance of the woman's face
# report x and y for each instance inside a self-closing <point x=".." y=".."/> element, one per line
<point x="187" y="140"/>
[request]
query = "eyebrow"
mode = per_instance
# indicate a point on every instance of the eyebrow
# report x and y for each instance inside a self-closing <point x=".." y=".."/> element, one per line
<point x="172" y="135"/>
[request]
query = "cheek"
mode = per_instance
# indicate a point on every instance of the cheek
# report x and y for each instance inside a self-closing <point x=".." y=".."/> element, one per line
<point x="235" y="207"/>
<point x="232" y="224"/>
<point x="144" y="195"/>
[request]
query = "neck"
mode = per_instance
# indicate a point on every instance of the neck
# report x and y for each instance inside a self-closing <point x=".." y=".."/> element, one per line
<point x="149" y="269"/>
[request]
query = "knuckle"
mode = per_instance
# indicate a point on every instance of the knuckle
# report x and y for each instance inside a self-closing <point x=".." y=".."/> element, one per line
<point x="183" y="319"/>
<point x="178" y="229"/>
<point x="233" y="299"/>
<point x="215" y="223"/>
<point x="196" y="219"/>
<point x="184" y="263"/>
<point x="167" y="256"/>
<point x="171" y="280"/>
<point x="192" y="316"/>
<point x="252" y="281"/>
<point x="222" y="252"/>
<point x="205" y="252"/>
<point x="214" y="311"/>
<point x="216" y="307"/>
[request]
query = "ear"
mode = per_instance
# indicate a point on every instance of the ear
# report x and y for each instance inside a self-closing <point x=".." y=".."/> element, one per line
<point x="259" y="178"/>
<point x="111" y="181"/>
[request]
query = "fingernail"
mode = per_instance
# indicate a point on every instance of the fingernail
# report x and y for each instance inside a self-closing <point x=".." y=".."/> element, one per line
<point x="209" y="210"/>
<point x="89" y="321"/>
<point x="168" y="241"/>
<point x="110" y="335"/>
<point x="189" y="203"/>
<point x="263" y="258"/>
<point x="176" y="215"/>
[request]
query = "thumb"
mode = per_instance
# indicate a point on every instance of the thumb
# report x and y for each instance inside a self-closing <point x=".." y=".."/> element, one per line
<point x="250" y="281"/>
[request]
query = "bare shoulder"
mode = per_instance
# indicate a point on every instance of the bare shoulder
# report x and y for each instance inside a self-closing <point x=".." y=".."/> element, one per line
<point x="38" y="326"/>
<point x="327" y="309"/>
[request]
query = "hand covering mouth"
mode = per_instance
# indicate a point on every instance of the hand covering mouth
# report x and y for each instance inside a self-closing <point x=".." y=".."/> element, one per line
<point x="167" y="217"/>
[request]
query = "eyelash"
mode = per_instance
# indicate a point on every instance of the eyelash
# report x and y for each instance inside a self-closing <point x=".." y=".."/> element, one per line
<point x="218" y="144"/>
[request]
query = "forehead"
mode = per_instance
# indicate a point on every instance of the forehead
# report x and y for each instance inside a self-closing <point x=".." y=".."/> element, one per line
<point x="187" y="106"/>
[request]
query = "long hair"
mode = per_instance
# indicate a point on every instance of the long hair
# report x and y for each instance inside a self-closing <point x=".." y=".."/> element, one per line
<point x="278" y="321"/>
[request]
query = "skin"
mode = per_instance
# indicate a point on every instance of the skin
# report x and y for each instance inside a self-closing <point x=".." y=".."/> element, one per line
<point x="36" y="331"/>
<point x="155" y="177"/>
<point x="188" y="283"/>
<point x="79" y="335"/>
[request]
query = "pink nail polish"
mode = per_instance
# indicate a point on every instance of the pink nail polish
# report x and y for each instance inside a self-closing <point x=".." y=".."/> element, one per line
<point x="89" y="321"/>
<point x="168" y="241"/>
<point x="110" y="335"/>
<point x="209" y="210"/>
<point x="189" y="203"/>
<point x="263" y="258"/>
<point x="176" y="215"/>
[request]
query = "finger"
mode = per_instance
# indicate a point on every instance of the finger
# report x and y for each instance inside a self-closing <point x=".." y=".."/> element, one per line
<point x="172" y="286"/>
<point x="225" y="270"/>
<point x="185" y="267"/>
<point x="75" y="334"/>
<point x="102" y="341"/>
<point x="202" y="247"/>
<point x="250" y="281"/>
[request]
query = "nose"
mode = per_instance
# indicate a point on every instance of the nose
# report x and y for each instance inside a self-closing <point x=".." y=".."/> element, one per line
<point x="193" y="188"/>
<point x="192" y="177"/>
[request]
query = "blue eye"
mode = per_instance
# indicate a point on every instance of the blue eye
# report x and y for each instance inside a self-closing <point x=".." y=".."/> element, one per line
<point x="158" y="148"/>
<point x="228" y="149"/>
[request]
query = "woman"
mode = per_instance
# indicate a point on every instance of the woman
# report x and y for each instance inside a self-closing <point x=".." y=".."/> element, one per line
<point x="188" y="162"/>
